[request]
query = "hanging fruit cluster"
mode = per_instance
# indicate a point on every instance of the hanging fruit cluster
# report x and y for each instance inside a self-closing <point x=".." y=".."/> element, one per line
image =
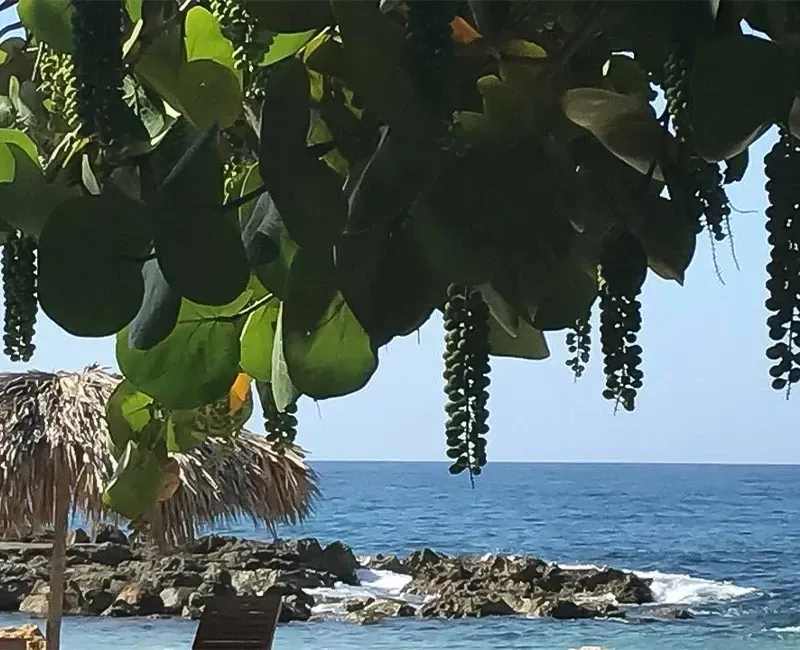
<point x="782" y="165"/>
<point x="622" y="274"/>
<point x="466" y="374"/>
<point x="280" y="426"/>
<point x="57" y="85"/>
<point x="19" y="295"/>
<point x="579" y="344"/>
<point x="97" y="33"/>
<point x="704" y="197"/>
<point x="241" y="29"/>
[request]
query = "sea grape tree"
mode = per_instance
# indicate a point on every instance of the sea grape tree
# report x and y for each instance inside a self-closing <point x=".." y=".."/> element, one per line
<point x="270" y="191"/>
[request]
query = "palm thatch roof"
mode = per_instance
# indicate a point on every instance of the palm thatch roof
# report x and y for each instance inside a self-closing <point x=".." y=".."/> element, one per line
<point x="50" y="420"/>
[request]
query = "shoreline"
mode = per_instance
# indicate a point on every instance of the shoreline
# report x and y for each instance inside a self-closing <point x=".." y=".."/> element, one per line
<point x="110" y="577"/>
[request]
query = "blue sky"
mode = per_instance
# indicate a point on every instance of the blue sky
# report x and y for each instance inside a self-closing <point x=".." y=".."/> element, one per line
<point x="706" y="396"/>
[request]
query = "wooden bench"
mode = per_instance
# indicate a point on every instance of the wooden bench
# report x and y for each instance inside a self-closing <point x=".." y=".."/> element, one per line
<point x="239" y="623"/>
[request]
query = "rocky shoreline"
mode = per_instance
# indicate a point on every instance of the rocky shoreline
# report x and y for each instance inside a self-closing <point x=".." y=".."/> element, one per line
<point x="109" y="576"/>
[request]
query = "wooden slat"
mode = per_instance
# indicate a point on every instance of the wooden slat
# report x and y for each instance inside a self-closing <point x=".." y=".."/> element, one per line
<point x="239" y="623"/>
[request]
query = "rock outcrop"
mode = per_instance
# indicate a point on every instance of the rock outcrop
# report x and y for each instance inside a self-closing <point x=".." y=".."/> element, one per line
<point x="108" y="576"/>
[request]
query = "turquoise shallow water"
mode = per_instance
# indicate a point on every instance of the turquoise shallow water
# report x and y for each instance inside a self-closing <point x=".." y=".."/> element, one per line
<point x="724" y="541"/>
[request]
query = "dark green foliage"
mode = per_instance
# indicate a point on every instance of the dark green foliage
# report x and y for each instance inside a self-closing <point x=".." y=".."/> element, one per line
<point x="622" y="269"/>
<point x="782" y="165"/>
<point x="97" y="31"/>
<point x="466" y="374"/>
<point x="579" y="345"/>
<point x="19" y="294"/>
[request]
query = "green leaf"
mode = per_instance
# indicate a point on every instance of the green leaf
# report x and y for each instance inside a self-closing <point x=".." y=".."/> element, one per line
<point x="199" y="251"/>
<point x="107" y="235"/>
<point x="257" y="339"/>
<point x="308" y="195"/>
<point x="283" y="389"/>
<point x="182" y="433"/>
<point x="8" y="166"/>
<point x="568" y="294"/>
<point x="285" y="114"/>
<point x="327" y="352"/>
<point x="29" y="200"/>
<point x="209" y="92"/>
<point x="286" y="45"/>
<point x="749" y="75"/>
<point x="624" y="124"/>
<point x="23" y="141"/>
<point x="386" y="281"/>
<point x="49" y="21"/>
<point x="161" y="62"/>
<point x="263" y="236"/>
<point x="127" y="414"/>
<point x="195" y="365"/>
<point x="134" y="9"/>
<point x="667" y="237"/>
<point x="529" y="342"/>
<point x="159" y="312"/>
<point x="377" y="64"/>
<point x="290" y="15"/>
<point x="204" y="39"/>
<point x="399" y="171"/>
<point x="134" y="487"/>
<point x="19" y="61"/>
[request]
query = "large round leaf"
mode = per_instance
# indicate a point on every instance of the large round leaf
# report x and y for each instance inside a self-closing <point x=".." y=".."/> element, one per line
<point x="568" y="293"/>
<point x="269" y="247"/>
<point x="208" y="93"/>
<point x="159" y="311"/>
<point x="127" y="414"/>
<point x="739" y="84"/>
<point x="201" y="256"/>
<point x="326" y="350"/>
<point x="285" y="113"/>
<point x="134" y="487"/>
<point x="90" y="250"/>
<point x="50" y="21"/>
<point x="204" y="39"/>
<point x="286" y="45"/>
<point x="624" y="124"/>
<point x="195" y="365"/>
<point x="257" y="339"/>
<point x="28" y="201"/>
<point x="386" y="281"/>
<point x="529" y="343"/>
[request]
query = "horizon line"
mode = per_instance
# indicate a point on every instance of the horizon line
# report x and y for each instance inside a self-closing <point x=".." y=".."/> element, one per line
<point x="710" y="463"/>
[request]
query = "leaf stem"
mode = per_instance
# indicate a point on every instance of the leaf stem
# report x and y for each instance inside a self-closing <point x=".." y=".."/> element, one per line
<point x="233" y="204"/>
<point x="258" y="304"/>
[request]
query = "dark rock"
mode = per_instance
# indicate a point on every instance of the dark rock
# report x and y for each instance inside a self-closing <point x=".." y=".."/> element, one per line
<point x="78" y="536"/>
<point x="388" y="563"/>
<point x="627" y="588"/>
<point x="16" y="583"/>
<point x="566" y="609"/>
<point x="106" y="554"/>
<point x="106" y="533"/>
<point x="376" y="611"/>
<point x="422" y="559"/>
<point x="97" y="600"/>
<point x="209" y="544"/>
<point x="297" y="603"/>
<point x="136" y="599"/>
<point x="339" y="560"/>
<point x="216" y="582"/>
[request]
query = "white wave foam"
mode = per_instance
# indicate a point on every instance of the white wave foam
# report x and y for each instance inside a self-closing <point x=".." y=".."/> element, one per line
<point x="792" y="629"/>
<point x="681" y="589"/>
<point x="383" y="585"/>
<point x="667" y="588"/>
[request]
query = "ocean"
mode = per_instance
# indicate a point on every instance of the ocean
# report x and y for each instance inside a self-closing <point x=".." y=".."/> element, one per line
<point x="723" y="541"/>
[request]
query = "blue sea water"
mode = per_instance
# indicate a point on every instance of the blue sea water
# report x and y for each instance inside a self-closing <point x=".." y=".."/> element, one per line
<point x="721" y="540"/>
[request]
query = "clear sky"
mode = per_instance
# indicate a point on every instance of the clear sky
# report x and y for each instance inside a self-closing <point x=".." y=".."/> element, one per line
<point x="706" y="396"/>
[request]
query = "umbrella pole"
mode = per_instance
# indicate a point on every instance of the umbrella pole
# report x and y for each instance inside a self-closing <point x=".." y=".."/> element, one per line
<point x="57" y="562"/>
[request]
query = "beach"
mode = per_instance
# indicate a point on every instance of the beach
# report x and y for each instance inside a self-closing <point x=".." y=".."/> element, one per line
<point x="719" y="542"/>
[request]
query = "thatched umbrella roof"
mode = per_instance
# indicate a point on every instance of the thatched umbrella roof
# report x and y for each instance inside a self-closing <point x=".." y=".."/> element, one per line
<point x="50" y="419"/>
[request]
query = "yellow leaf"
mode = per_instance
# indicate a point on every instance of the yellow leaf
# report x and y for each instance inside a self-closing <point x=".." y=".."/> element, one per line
<point x="463" y="32"/>
<point x="239" y="392"/>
